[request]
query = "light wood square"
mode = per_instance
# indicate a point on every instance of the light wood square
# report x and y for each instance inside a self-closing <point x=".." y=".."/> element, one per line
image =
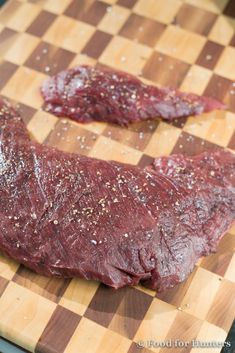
<point x="22" y="48"/>
<point x="163" y="140"/>
<point x="200" y="295"/>
<point x="209" y="333"/>
<point x="163" y="11"/>
<point x="125" y="55"/>
<point x="114" y="19"/>
<point x="41" y="125"/>
<point x="223" y="30"/>
<point x="82" y="59"/>
<point x="223" y="303"/>
<point x="69" y="34"/>
<point x="177" y="42"/>
<point x="196" y="80"/>
<point x="78" y="295"/>
<point x="8" y="267"/>
<point x="61" y="5"/>
<point x="157" y="322"/>
<point x="209" y="127"/>
<point x="96" y="127"/>
<point x="232" y="229"/>
<point x="6" y="12"/>
<point x="96" y="339"/>
<point x="26" y="313"/>
<point x="215" y="6"/>
<point x="111" y="2"/>
<point x="24" y="87"/>
<point x="108" y="149"/>
<point x="23" y="16"/>
<point x="225" y="65"/>
<point x="113" y="342"/>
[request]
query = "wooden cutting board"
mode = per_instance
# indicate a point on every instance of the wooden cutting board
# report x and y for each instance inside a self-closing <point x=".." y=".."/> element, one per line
<point x="187" y="44"/>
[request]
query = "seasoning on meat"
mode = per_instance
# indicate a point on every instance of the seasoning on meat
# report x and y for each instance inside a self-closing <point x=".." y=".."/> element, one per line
<point x="86" y="93"/>
<point x="65" y="214"/>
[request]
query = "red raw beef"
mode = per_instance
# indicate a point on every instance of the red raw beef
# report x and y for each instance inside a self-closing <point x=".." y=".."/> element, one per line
<point x="66" y="215"/>
<point x="86" y="94"/>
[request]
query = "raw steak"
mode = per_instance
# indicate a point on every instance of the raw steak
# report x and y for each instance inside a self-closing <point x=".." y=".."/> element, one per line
<point x="85" y="94"/>
<point x="68" y="215"/>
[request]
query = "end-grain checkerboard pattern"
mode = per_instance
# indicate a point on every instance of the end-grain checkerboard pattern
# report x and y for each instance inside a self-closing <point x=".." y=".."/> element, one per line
<point x="188" y="44"/>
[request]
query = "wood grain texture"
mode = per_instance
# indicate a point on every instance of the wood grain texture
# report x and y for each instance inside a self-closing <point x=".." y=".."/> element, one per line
<point x="188" y="44"/>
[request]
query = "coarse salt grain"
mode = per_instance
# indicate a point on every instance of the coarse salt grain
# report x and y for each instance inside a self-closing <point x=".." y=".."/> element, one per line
<point x="208" y="57"/>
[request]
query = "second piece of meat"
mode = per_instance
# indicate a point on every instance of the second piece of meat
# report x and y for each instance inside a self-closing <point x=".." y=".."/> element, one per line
<point x="86" y="94"/>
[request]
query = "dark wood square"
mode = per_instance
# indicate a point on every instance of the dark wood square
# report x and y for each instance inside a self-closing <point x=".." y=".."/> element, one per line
<point x="230" y="8"/>
<point x="130" y="317"/>
<point x="102" y="311"/>
<point x="58" y="331"/>
<point x="140" y="28"/>
<point x="97" y="43"/>
<point x="195" y="19"/>
<point x="186" y="145"/>
<point x="71" y="137"/>
<point x="232" y="43"/>
<point x="222" y="89"/>
<point x="210" y="55"/>
<point x="137" y="135"/>
<point x="145" y="161"/>
<point x="88" y="11"/>
<point x="49" y="59"/>
<point x="7" y="70"/>
<point x="165" y="70"/>
<point x="41" y="23"/>
<point x="127" y="3"/>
